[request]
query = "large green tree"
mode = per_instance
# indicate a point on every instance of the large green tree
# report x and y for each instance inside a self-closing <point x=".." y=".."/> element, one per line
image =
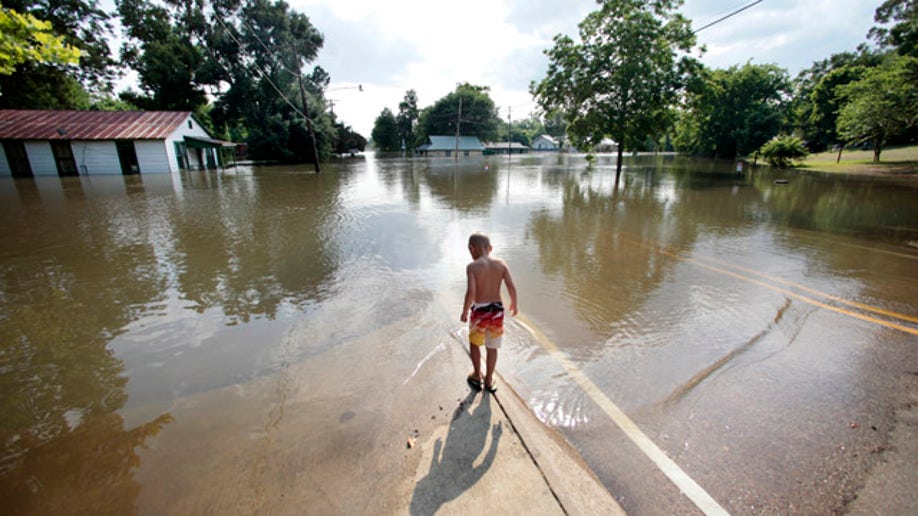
<point x="47" y="85"/>
<point x="407" y="116"/>
<point x="623" y="76"/>
<point x="259" y="52"/>
<point x="902" y="34"/>
<point x="385" y="132"/>
<point x="165" y="46"/>
<point x="733" y="112"/>
<point x="815" y="103"/>
<point x="24" y="39"/>
<point x="469" y="106"/>
<point x="347" y="140"/>
<point x="881" y="105"/>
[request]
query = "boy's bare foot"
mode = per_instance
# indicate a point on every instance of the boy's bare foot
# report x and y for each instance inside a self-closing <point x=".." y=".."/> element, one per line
<point x="474" y="381"/>
<point x="490" y="386"/>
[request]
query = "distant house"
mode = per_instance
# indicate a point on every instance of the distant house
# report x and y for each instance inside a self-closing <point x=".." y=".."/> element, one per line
<point x="70" y="143"/>
<point x="606" y="145"/>
<point x="544" y="142"/>
<point x="445" y="146"/>
<point x="505" y="148"/>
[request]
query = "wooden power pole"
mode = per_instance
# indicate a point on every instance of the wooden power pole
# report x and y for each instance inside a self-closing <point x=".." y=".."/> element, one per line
<point x="309" y="128"/>
<point x="458" y="121"/>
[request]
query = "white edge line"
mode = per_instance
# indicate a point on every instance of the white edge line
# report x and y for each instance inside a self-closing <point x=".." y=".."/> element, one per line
<point x="677" y="475"/>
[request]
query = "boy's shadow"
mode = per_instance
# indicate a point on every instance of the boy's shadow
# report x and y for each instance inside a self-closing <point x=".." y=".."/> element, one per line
<point x="452" y="470"/>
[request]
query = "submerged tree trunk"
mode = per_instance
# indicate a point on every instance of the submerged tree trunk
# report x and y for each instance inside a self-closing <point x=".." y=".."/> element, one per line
<point x="876" y="151"/>
<point x="618" y="163"/>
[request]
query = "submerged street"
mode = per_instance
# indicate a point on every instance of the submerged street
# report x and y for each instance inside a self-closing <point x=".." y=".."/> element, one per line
<point x="265" y="338"/>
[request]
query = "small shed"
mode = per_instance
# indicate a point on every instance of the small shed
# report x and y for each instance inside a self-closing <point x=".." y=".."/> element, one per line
<point x="505" y="148"/>
<point x="446" y="146"/>
<point x="71" y="143"/>
<point x="544" y="142"/>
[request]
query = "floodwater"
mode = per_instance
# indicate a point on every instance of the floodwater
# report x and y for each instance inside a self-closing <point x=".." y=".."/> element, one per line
<point x="263" y="339"/>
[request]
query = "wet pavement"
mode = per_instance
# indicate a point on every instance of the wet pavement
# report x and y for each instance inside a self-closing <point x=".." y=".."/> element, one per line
<point x="265" y="338"/>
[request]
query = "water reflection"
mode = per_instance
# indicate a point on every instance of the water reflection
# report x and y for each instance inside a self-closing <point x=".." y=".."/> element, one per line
<point x="66" y="291"/>
<point x="468" y="185"/>
<point x="121" y="295"/>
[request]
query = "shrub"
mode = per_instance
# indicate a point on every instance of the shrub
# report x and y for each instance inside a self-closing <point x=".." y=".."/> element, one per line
<point x="783" y="151"/>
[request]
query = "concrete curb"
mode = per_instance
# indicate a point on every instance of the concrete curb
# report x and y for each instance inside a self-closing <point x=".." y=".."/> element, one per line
<point x="573" y="483"/>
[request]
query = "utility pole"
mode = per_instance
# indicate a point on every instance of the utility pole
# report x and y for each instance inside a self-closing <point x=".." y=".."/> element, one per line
<point x="312" y="133"/>
<point x="458" y="121"/>
<point x="509" y="131"/>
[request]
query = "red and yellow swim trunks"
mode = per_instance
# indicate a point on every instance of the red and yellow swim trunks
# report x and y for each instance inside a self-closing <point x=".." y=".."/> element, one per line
<point x="486" y="326"/>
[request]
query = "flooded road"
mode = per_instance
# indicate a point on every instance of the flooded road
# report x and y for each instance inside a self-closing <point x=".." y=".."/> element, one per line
<point x="265" y="338"/>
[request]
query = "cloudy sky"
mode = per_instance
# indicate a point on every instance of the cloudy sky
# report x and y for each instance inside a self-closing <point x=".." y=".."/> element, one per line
<point x="391" y="46"/>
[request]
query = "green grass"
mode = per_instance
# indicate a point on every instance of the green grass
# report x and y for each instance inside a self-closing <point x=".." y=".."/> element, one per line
<point x="893" y="161"/>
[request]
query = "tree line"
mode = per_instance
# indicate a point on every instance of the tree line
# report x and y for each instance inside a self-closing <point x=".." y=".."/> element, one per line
<point x="242" y="66"/>
<point x="630" y="76"/>
<point x="469" y="107"/>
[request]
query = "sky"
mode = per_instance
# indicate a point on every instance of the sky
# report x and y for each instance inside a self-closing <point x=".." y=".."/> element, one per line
<point x="390" y="46"/>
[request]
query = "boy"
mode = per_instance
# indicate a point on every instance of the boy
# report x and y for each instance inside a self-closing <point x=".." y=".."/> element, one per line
<point x="482" y="295"/>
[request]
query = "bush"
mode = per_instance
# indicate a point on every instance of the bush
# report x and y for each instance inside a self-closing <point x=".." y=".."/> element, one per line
<point x="783" y="151"/>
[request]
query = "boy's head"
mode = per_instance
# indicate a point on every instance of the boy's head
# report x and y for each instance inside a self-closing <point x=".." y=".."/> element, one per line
<point x="479" y="245"/>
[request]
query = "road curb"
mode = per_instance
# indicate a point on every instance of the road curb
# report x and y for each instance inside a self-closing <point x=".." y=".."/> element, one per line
<point x="575" y="486"/>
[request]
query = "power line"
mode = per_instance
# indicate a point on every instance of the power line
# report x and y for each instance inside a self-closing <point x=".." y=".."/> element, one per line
<point x="264" y="74"/>
<point x="722" y="18"/>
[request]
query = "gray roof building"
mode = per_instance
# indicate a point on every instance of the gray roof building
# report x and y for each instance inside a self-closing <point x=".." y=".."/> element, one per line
<point x="448" y="143"/>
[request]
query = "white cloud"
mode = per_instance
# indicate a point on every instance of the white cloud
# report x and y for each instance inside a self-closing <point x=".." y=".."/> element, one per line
<point x="431" y="45"/>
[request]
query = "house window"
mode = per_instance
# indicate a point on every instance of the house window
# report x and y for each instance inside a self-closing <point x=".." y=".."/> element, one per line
<point x="189" y="125"/>
<point x="449" y="153"/>
<point x="466" y="153"/>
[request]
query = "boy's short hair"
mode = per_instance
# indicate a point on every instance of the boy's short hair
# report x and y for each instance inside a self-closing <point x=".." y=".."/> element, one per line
<point x="479" y="240"/>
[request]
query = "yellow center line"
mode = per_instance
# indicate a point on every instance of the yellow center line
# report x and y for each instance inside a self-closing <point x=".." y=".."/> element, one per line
<point x="798" y="286"/>
<point x="789" y="293"/>
<point x="677" y="475"/>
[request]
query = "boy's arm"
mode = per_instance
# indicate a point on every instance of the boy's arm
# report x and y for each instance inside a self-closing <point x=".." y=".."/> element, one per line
<point x="469" y="294"/>
<point x="511" y="288"/>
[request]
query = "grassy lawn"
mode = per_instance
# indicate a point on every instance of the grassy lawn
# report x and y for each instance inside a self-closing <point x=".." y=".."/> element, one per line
<point x="900" y="161"/>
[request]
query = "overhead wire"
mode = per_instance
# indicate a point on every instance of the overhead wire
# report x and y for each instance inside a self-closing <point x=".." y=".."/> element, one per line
<point x="263" y="73"/>
<point x="722" y="18"/>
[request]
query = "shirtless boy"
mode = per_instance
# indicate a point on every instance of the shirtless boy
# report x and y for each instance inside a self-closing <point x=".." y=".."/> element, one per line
<point x="482" y="295"/>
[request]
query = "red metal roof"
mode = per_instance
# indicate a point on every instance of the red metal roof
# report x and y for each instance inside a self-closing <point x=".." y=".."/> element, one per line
<point x="16" y="124"/>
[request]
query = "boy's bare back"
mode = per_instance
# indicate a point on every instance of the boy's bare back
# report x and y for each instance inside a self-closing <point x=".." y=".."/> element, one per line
<point x="486" y="274"/>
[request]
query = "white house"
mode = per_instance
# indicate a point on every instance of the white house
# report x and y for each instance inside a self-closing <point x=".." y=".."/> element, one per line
<point x="70" y="143"/>
<point x="543" y="142"/>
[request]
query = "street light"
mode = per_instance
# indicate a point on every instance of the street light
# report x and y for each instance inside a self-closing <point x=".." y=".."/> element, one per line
<point x="357" y="87"/>
<point x="331" y="102"/>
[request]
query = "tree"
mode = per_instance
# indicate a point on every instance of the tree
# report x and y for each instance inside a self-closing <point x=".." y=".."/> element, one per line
<point x="348" y="140"/>
<point x="478" y="115"/>
<point x="258" y="55"/>
<point x="385" y="132"/>
<point x="623" y="76"/>
<point x="783" y="151"/>
<point x="48" y="85"/>
<point x="407" y="116"/>
<point x="164" y="46"/>
<point x="733" y="112"/>
<point x="24" y="38"/>
<point x="901" y="36"/>
<point x="881" y="105"/>
<point x="815" y="104"/>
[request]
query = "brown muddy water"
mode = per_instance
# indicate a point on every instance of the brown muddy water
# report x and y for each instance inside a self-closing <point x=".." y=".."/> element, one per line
<point x="263" y="339"/>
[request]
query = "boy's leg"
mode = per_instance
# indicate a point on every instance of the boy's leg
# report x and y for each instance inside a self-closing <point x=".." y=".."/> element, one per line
<point x="491" y="360"/>
<point x="475" y="353"/>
